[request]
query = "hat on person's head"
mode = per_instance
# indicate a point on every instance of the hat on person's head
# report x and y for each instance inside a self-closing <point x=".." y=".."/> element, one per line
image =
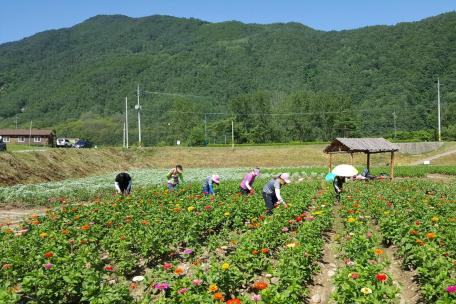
<point x="216" y="179"/>
<point x="179" y="168"/>
<point x="285" y="177"/>
<point x="256" y="171"/>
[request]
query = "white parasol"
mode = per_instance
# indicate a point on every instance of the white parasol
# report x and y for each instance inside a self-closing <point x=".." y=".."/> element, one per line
<point x="345" y="170"/>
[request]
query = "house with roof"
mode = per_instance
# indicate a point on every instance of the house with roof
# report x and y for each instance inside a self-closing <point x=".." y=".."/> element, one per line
<point x="41" y="137"/>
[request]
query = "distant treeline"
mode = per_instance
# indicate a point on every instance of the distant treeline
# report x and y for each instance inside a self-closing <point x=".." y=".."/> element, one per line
<point x="277" y="83"/>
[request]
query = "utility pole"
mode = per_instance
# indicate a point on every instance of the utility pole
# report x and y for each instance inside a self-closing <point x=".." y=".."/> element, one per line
<point x="394" y="120"/>
<point x="438" y="108"/>
<point x="30" y="134"/>
<point x="126" y="122"/>
<point x="205" y="129"/>
<point x="123" y="143"/>
<point x="138" y="108"/>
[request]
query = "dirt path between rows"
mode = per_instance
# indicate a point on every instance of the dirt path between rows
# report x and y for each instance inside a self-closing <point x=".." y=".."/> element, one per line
<point x="323" y="284"/>
<point x="403" y="279"/>
<point x="431" y="158"/>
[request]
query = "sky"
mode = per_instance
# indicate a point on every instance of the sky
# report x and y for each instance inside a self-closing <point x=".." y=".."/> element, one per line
<point x="23" y="18"/>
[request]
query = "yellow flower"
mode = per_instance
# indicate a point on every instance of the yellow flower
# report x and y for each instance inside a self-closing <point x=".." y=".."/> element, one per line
<point x="435" y="219"/>
<point x="366" y="290"/>
<point x="190" y="209"/>
<point x="227" y="213"/>
<point x="43" y="235"/>
<point x="213" y="288"/>
<point x="386" y="212"/>
<point x="225" y="266"/>
<point x="351" y="220"/>
<point x="292" y="245"/>
<point x="317" y="212"/>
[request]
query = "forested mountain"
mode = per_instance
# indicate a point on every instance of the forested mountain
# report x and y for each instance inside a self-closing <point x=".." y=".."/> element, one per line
<point x="277" y="82"/>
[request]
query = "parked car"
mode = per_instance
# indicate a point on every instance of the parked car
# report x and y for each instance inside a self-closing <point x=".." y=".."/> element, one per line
<point x="82" y="143"/>
<point x="2" y="144"/>
<point x="63" y="143"/>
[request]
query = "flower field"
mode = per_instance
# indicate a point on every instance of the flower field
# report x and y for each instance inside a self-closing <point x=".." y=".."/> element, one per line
<point x="181" y="247"/>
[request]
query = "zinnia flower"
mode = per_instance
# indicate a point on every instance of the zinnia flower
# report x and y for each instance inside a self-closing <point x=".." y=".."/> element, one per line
<point x="255" y="252"/>
<point x="167" y="266"/>
<point x="256" y="297"/>
<point x="197" y="282"/>
<point x="413" y="232"/>
<point x="378" y="251"/>
<point x="108" y="268"/>
<point x="187" y="251"/>
<point x="366" y="290"/>
<point x="292" y="245"/>
<point x="225" y="266"/>
<point x="354" y="275"/>
<point x="6" y="266"/>
<point x="48" y="266"/>
<point x="85" y="227"/>
<point x="285" y="229"/>
<point x="451" y="289"/>
<point x="431" y="235"/>
<point x="213" y="288"/>
<point x="265" y="250"/>
<point x="234" y="301"/>
<point x="183" y="290"/>
<point x="219" y="297"/>
<point x="381" y="277"/>
<point x="161" y="286"/>
<point x="48" y="254"/>
<point x="260" y="285"/>
<point x="179" y="271"/>
<point x="227" y="213"/>
<point x="420" y="242"/>
<point x="351" y="220"/>
<point x="43" y="235"/>
<point x="190" y="209"/>
<point x="435" y="219"/>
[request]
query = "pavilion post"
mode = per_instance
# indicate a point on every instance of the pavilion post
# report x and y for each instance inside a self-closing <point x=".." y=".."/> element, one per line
<point x="368" y="161"/>
<point x="392" y="165"/>
<point x="351" y="158"/>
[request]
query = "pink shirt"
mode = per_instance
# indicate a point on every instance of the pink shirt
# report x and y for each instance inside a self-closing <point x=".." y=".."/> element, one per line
<point x="249" y="178"/>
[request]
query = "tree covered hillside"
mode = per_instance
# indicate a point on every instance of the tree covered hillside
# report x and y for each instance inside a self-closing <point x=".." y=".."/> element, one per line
<point x="277" y="82"/>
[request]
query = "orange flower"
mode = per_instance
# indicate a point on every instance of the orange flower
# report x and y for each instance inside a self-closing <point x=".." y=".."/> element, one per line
<point x="85" y="227"/>
<point x="233" y="301"/>
<point x="179" y="271"/>
<point x="431" y="235"/>
<point x="213" y="288"/>
<point x="109" y="223"/>
<point x="255" y="252"/>
<point x="379" y="251"/>
<point x="35" y="222"/>
<point x="65" y="231"/>
<point x="260" y="285"/>
<point x="145" y="222"/>
<point x="7" y="266"/>
<point x="420" y="242"/>
<point x="413" y="232"/>
<point x="265" y="250"/>
<point x="219" y="297"/>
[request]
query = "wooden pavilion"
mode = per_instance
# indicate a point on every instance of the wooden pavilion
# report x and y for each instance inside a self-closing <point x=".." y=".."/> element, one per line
<point x="367" y="146"/>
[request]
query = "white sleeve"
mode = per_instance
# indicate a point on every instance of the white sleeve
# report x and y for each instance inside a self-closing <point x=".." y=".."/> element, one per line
<point x="248" y="186"/>
<point x="277" y="193"/>
<point x="116" y="184"/>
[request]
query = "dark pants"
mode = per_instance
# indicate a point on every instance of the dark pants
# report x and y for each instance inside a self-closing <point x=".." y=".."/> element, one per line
<point x="270" y="200"/>
<point x="172" y="187"/>
<point x="244" y="191"/>
<point x="337" y="194"/>
<point x="125" y="188"/>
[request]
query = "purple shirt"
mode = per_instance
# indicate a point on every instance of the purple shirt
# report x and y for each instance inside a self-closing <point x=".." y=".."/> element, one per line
<point x="249" y="178"/>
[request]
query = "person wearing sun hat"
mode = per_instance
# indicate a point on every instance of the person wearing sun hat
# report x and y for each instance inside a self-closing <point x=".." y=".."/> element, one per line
<point x="173" y="177"/>
<point x="271" y="191"/>
<point x="122" y="183"/>
<point x="208" y="188"/>
<point x="246" y="186"/>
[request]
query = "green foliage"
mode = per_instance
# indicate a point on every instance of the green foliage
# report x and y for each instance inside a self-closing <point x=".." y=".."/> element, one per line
<point x="359" y="78"/>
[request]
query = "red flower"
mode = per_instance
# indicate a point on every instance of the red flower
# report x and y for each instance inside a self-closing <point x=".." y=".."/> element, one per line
<point x="167" y="266"/>
<point x="381" y="277"/>
<point x="260" y="285"/>
<point x="265" y="250"/>
<point x="108" y="268"/>
<point x="298" y="219"/>
<point x="234" y="301"/>
<point x="355" y="275"/>
<point x="413" y="232"/>
<point x="48" y="254"/>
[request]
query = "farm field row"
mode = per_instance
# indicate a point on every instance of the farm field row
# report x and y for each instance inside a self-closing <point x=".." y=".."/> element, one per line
<point x="84" y="188"/>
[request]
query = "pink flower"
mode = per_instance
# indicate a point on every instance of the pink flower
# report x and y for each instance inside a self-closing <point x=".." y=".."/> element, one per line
<point x="161" y="286"/>
<point x="451" y="289"/>
<point x="187" y="251"/>
<point x="167" y="266"/>
<point x="285" y="229"/>
<point x="197" y="282"/>
<point x="256" y="297"/>
<point x="183" y="290"/>
<point x="48" y="266"/>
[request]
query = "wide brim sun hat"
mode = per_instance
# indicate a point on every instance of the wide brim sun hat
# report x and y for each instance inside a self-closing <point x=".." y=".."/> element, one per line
<point x="345" y="170"/>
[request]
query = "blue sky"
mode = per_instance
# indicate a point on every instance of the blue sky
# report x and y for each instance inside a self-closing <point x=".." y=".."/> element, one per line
<point x="23" y="18"/>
